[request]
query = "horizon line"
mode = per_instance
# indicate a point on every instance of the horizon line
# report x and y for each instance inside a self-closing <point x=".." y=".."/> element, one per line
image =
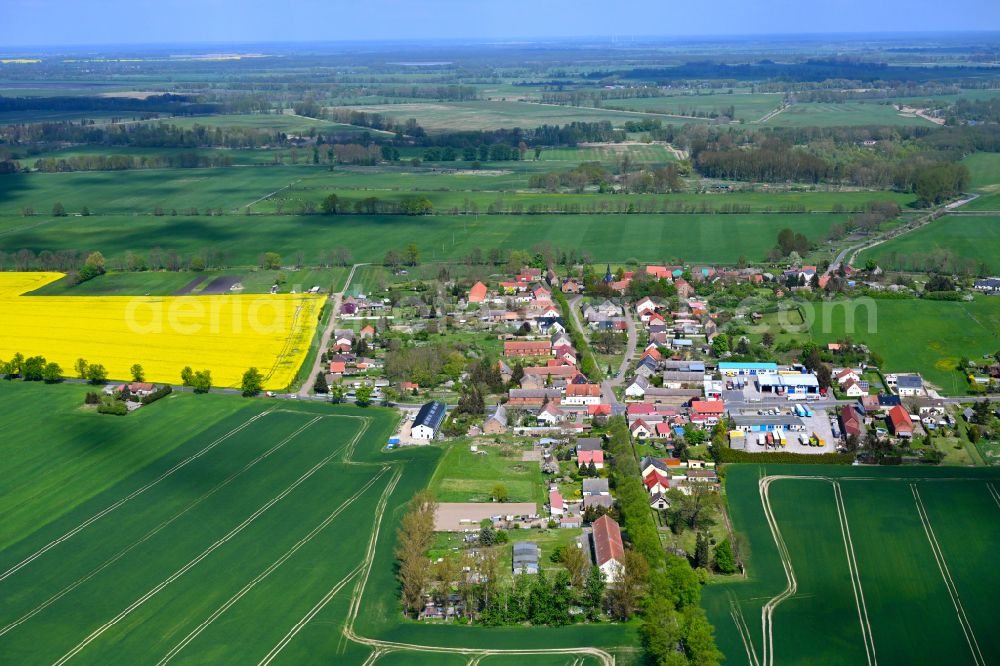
<point x="611" y="38"/>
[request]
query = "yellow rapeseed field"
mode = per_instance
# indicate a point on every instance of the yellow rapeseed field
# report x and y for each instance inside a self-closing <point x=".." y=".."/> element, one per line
<point x="224" y="334"/>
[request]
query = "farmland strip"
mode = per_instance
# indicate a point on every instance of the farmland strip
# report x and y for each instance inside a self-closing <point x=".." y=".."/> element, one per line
<point x="994" y="493"/>
<point x="80" y="581"/>
<point x="963" y="620"/>
<point x="852" y="565"/>
<point x="271" y="568"/>
<point x="369" y="556"/>
<point x="82" y="526"/>
<point x="741" y="626"/>
<point x="194" y="562"/>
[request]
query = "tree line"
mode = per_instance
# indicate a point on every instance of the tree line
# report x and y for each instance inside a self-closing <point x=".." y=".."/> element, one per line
<point x="188" y="160"/>
<point x="674" y="628"/>
<point x="166" y="103"/>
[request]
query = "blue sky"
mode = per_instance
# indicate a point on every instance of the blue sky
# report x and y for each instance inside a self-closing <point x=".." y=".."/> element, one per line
<point x="72" y="22"/>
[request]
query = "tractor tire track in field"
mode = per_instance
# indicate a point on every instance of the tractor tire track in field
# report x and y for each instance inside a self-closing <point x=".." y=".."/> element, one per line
<point x="373" y="657"/>
<point x="367" y="560"/>
<point x="80" y="581"/>
<point x="204" y="554"/>
<point x="271" y="568"/>
<point x="852" y="565"/>
<point x="963" y="620"/>
<point x="767" y="611"/>
<point x="356" y="597"/>
<point x="139" y="491"/>
<point x="745" y="635"/>
<point x="791" y="586"/>
<point x="994" y="493"/>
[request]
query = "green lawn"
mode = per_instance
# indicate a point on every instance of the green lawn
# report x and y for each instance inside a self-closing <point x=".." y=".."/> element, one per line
<point x="928" y="337"/>
<point x="375" y="278"/>
<point x="464" y="476"/>
<point x="903" y="589"/>
<point x="970" y="243"/>
<point x="693" y="238"/>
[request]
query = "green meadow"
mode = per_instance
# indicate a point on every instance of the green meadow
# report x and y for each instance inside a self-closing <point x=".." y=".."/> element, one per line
<point x="984" y="171"/>
<point x="975" y="239"/>
<point x="915" y="335"/>
<point x="465" y="476"/>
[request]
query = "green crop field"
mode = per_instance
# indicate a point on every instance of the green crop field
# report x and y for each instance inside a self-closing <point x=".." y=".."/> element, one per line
<point x="610" y="153"/>
<point x="21" y="117"/>
<point x="166" y="283"/>
<point x="748" y="107"/>
<point x="973" y="240"/>
<point x="874" y="565"/>
<point x="239" y="156"/>
<point x="216" y="528"/>
<point x="913" y="335"/>
<point x="484" y="115"/>
<point x="273" y="121"/>
<point x="816" y="114"/>
<point x="317" y="187"/>
<point x="697" y="238"/>
<point x="140" y="191"/>
<point x="234" y="189"/>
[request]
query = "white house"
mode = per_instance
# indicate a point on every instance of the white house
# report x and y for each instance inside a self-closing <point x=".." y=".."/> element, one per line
<point x="909" y="385"/>
<point x="637" y="389"/>
<point x="551" y="414"/>
<point x="852" y="389"/>
<point x="428" y="420"/>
